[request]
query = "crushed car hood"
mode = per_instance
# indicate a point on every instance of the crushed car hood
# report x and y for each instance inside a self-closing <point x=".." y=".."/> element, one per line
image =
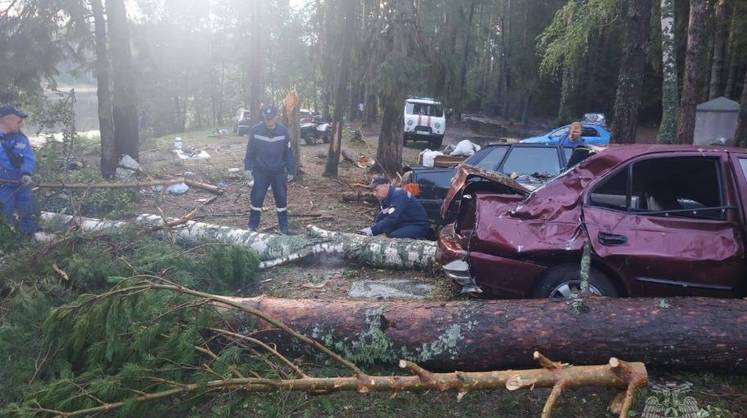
<point x="465" y="172"/>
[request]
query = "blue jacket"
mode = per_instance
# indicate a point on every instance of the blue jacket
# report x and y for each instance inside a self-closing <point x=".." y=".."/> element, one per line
<point x="269" y="150"/>
<point x="566" y="141"/>
<point x="16" y="156"/>
<point x="399" y="208"/>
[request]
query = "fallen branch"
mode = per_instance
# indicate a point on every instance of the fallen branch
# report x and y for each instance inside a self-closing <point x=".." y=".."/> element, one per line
<point x="125" y="185"/>
<point x="358" y="159"/>
<point x="616" y="374"/>
<point x="274" y="250"/>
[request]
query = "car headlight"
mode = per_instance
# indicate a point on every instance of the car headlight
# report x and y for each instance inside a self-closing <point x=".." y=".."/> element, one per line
<point x="437" y="125"/>
<point x="410" y="122"/>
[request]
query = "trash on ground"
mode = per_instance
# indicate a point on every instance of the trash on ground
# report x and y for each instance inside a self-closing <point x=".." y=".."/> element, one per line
<point x="178" y="188"/>
<point x="466" y="148"/>
<point x="427" y="157"/>
<point x="127" y="168"/>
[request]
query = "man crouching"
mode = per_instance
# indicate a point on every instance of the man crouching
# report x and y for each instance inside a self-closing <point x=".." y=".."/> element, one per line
<point x="401" y="215"/>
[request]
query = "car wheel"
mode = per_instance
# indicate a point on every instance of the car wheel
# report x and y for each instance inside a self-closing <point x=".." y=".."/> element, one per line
<point x="562" y="281"/>
<point x="436" y="143"/>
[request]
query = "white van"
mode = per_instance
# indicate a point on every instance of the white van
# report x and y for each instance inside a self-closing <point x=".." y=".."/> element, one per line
<point x="424" y="120"/>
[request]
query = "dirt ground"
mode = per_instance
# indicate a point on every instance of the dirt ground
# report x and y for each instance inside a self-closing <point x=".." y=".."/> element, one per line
<point x="314" y="199"/>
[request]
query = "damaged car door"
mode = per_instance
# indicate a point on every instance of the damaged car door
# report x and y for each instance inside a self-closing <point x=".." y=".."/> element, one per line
<point x="669" y="225"/>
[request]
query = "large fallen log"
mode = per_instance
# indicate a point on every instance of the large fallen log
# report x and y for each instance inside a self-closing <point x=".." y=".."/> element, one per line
<point x="272" y="249"/>
<point x="701" y="333"/>
<point x="125" y="185"/>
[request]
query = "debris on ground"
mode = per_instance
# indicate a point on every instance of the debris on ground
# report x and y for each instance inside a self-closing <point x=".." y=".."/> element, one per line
<point x="127" y="168"/>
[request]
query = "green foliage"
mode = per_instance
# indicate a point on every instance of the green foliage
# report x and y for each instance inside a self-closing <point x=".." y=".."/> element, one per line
<point x="107" y="345"/>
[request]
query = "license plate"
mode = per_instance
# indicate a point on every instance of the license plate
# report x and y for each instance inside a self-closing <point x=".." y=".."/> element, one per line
<point x="423" y="133"/>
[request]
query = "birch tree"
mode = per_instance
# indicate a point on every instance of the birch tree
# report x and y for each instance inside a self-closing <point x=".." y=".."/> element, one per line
<point x="670" y="96"/>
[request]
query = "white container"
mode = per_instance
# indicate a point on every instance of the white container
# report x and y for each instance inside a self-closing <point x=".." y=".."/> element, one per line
<point x="178" y="145"/>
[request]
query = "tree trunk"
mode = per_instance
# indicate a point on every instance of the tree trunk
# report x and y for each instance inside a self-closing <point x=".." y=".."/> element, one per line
<point x="686" y="119"/>
<point x="695" y="333"/>
<point x="389" y="151"/>
<point x="274" y="250"/>
<point x="733" y="54"/>
<point x="670" y="96"/>
<point x="256" y="61"/>
<point x="465" y="57"/>
<point x="124" y="106"/>
<point x="740" y="136"/>
<point x="719" y="49"/>
<point x="347" y="21"/>
<point x="109" y="157"/>
<point x="630" y="78"/>
<point x="372" y="111"/>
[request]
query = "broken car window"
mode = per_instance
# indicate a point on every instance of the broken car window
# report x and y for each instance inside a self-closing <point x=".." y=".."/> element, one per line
<point x="687" y="186"/>
<point x="674" y="186"/>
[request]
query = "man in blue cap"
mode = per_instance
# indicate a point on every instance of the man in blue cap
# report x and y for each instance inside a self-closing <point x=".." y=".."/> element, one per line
<point x="401" y="215"/>
<point x="269" y="162"/>
<point x="17" y="164"/>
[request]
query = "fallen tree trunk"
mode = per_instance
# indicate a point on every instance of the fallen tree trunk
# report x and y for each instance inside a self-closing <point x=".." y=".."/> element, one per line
<point x="360" y="196"/>
<point x="273" y="250"/>
<point x="701" y="333"/>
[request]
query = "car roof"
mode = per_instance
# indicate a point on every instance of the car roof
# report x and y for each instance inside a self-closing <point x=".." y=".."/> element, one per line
<point x="424" y="100"/>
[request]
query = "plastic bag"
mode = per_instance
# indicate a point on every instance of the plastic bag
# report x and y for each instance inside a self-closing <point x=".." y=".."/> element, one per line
<point x="429" y="156"/>
<point x="466" y="148"/>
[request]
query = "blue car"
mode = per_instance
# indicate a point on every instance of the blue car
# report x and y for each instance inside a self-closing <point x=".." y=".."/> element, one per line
<point x="592" y="134"/>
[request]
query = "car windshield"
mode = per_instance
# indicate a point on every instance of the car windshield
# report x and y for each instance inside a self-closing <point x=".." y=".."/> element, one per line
<point x="488" y="158"/>
<point x="534" y="161"/>
<point x="424" y="109"/>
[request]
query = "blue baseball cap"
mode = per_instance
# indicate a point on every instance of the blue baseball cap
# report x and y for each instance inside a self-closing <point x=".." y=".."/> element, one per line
<point x="269" y="111"/>
<point x="11" y="110"/>
<point x="378" y="181"/>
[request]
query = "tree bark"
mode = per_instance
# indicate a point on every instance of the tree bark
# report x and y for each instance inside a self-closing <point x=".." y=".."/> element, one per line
<point x="740" y="136"/>
<point x="733" y="55"/>
<point x="695" y="333"/>
<point x="630" y="78"/>
<point x="124" y="106"/>
<point x="109" y="157"/>
<point x="274" y="250"/>
<point x="719" y="49"/>
<point x="670" y="96"/>
<point x="389" y="150"/>
<point x="686" y="119"/>
<point x="256" y="60"/>
<point x="347" y="21"/>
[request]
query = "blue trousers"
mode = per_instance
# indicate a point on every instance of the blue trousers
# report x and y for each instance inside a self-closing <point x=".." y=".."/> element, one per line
<point x="409" y="231"/>
<point x="279" y="190"/>
<point x="18" y="199"/>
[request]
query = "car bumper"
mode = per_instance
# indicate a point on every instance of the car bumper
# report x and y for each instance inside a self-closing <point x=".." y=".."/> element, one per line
<point x="475" y="270"/>
<point x="423" y="136"/>
<point x="454" y="260"/>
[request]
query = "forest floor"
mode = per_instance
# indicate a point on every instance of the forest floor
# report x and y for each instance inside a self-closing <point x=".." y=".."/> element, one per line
<point x="718" y="395"/>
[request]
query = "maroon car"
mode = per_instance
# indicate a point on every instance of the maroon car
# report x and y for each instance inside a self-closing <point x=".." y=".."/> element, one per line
<point x="661" y="221"/>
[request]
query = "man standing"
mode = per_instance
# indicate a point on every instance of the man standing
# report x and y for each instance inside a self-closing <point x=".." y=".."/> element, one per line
<point x="401" y="215"/>
<point x="269" y="162"/>
<point x="17" y="164"/>
<point x="573" y="137"/>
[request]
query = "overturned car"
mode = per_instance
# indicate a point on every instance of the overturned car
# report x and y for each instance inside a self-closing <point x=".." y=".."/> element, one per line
<point x="661" y="221"/>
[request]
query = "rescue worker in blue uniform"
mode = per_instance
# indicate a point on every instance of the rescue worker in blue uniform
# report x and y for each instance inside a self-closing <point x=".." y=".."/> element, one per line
<point x="401" y="215"/>
<point x="269" y="162"/>
<point x="17" y="164"/>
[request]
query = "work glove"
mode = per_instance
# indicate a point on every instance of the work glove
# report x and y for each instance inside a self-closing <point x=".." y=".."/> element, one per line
<point x="366" y="231"/>
<point x="291" y="177"/>
<point x="25" y="180"/>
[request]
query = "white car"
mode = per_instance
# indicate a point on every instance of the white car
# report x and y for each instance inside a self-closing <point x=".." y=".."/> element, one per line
<point x="424" y="120"/>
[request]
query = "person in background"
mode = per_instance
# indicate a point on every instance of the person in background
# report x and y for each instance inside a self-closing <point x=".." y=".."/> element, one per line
<point x="573" y="138"/>
<point x="401" y="215"/>
<point x="269" y="162"/>
<point x="17" y="165"/>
